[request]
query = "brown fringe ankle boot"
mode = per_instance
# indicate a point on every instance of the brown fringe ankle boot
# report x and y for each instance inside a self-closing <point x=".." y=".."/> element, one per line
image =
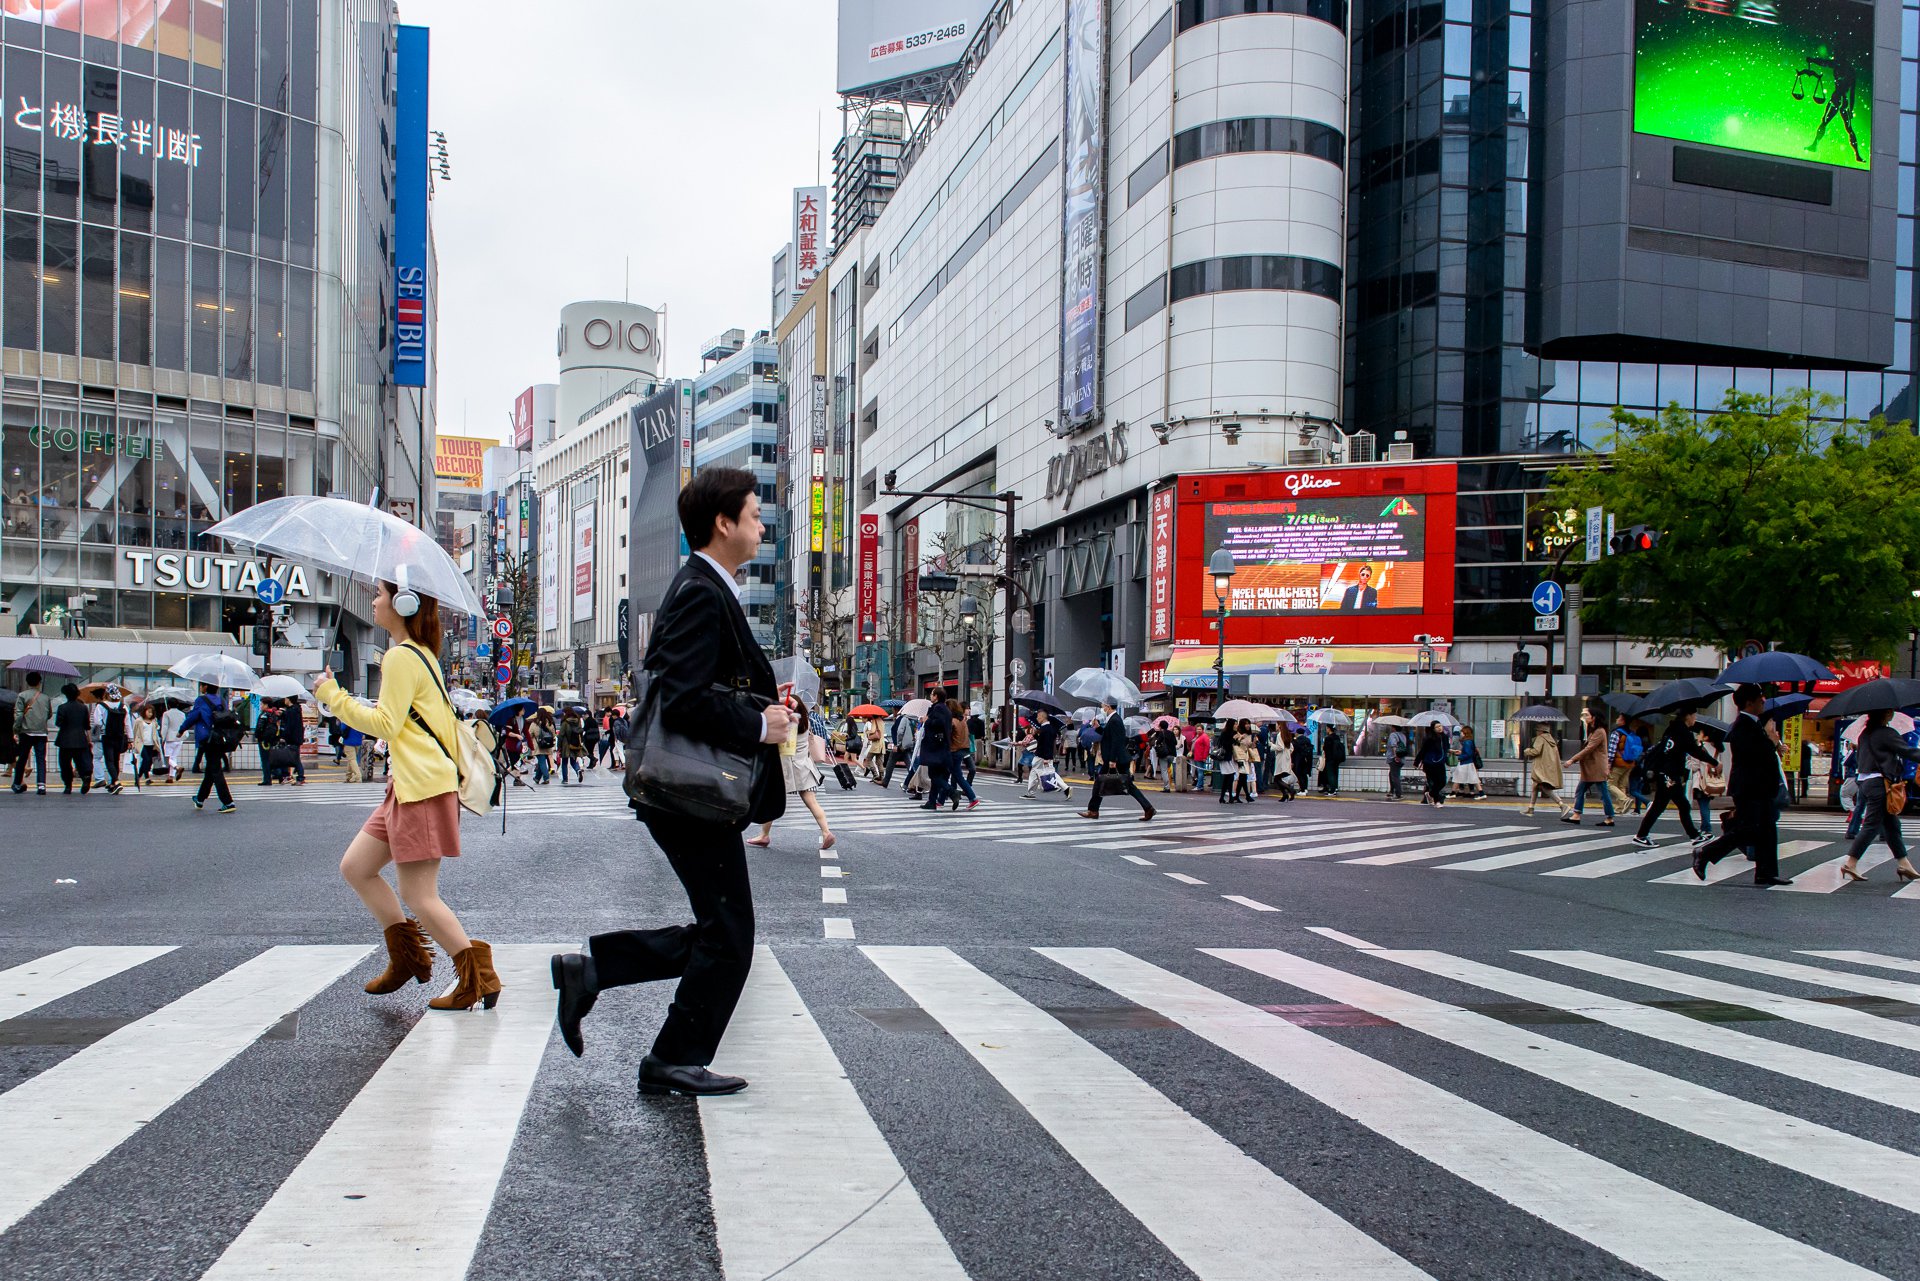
<point x="408" y="957"/>
<point x="478" y="984"/>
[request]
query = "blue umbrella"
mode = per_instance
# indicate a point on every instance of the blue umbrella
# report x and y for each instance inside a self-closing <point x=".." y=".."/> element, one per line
<point x="1788" y="705"/>
<point x="502" y="715"/>
<point x="1776" y="666"/>
<point x="893" y="704"/>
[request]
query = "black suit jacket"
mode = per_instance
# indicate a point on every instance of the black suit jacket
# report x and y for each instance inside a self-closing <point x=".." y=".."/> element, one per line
<point x="936" y="738"/>
<point x="1756" y="768"/>
<point x="1116" y="745"/>
<point x="700" y="641"/>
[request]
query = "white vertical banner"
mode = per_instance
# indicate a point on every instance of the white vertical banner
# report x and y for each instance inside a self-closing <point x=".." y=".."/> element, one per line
<point x="582" y="545"/>
<point x="809" y="239"/>
<point x="550" y="561"/>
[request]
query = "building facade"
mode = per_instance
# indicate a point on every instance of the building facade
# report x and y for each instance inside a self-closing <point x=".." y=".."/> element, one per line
<point x="194" y="315"/>
<point x="736" y="423"/>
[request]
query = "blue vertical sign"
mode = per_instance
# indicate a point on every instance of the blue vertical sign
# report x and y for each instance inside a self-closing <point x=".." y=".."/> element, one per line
<point x="1083" y="214"/>
<point x="410" y="209"/>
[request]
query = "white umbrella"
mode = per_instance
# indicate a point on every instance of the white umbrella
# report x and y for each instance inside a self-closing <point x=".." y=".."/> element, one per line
<point x="1098" y="685"/>
<point x="1901" y="722"/>
<point x="467" y="701"/>
<point x="798" y="672"/>
<point x="1441" y="719"/>
<point x="1239" y="709"/>
<point x="1399" y="721"/>
<point x="354" y="539"/>
<point x="282" y="686"/>
<point x="1330" y="716"/>
<point x="915" y="707"/>
<point x="222" y="670"/>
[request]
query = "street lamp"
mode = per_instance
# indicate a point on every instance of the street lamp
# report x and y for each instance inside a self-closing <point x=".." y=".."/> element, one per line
<point x="1222" y="568"/>
<point x="969" y="615"/>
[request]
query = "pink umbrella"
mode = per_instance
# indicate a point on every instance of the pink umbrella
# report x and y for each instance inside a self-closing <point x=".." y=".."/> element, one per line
<point x="1901" y="722"/>
<point x="1165" y="722"/>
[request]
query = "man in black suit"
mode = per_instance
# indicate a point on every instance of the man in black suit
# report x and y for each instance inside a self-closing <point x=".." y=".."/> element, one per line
<point x="936" y="750"/>
<point x="1116" y="757"/>
<point x="1753" y="787"/>
<point x="700" y="640"/>
<point x="1362" y="594"/>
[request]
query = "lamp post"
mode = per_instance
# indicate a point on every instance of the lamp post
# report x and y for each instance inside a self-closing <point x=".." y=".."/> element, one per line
<point x="969" y="615"/>
<point x="1222" y="568"/>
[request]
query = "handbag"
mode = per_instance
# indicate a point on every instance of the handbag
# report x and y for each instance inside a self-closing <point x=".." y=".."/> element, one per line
<point x="1113" y="783"/>
<point x="1896" y="796"/>
<point x="678" y="774"/>
<point x="816" y="749"/>
<point x="473" y="765"/>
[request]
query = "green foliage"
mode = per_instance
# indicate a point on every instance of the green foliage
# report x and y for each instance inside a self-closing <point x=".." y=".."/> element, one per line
<point x="1777" y="525"/>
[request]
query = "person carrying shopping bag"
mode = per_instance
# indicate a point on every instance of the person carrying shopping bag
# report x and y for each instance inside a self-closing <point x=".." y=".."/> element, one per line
<point x="417" y="824"/>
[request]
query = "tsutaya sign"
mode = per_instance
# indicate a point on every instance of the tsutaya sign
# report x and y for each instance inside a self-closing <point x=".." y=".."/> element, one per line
<point x="206" y="572"/>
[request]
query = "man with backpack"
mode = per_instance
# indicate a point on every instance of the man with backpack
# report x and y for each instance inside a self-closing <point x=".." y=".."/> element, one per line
<point x="1624" y="750"/>
<point x="30" y="717"/>
<point x="293" y="734"/>
<point x="217" y="732"/>
<point x="1396" y="761"/>
<point x="266" y="736"/>
<point x="590" y="739"/>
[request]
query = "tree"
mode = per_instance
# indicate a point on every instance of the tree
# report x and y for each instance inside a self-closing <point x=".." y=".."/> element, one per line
<point x="1777" y="522"/>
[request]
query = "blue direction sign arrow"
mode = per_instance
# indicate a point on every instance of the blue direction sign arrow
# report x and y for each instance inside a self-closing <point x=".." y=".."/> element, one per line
<point x="271" y="590"/>
<point x="1548" y="597"/>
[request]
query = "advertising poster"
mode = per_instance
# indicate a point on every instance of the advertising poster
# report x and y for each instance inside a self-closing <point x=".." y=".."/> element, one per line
<point x="868" y="561"/>
<point x="886" y="40"/>
<point x="460" y="461"/>
<point x="582" y="563"/>
<point x="1314" y="555"/>
<point x="910" y="581"/>
<point x="550" y="562"/>
<point x="1083" y="217"/>
<point x="523" y="420"/>
<point x="410" y="207"/>
<point x="177" y="28"/>
<point x="809" y="238"/>
<point x="1160" y="566"/>
<point x="653" y="488"/>
<point x="1788" y="78"/>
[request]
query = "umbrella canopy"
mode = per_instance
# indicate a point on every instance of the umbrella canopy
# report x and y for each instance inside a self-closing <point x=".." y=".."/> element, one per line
<point x="1777" y="666"/>
<point x="893" y="704"/>
<point x="354" y="539"/>
<point x="1398" y="721"/>
<point x="798" y="672"/>
<point x="1332" y="716"/>
<point x="1040" y="700"/>
<point x="1718" y="728"/>
<point x="1888" y="694"/>
<point x="503" y="715"/>
<point x="1621" y="701"/>
<point x="1087" y="714"/>
<point x="222" y="670"/>
<point x="1788" y="705"/>
<point x="1137" y="724"/>
<point x="1235" y="709"/>
<point x="1442" y="719"/>
<point x="1165" y="722"/>
<point x="868" y="709"/>
<point x="46" y="665"/>
<point x="1688" y="691"/>
<point x="464" y="700"/>
<point x="100" y="692"/>
<point x="282" y="686"/>
<point x="1098" y="685"/>
<point x="915" y="707"/>
<point x="1542" y="713"/>
<point x="1901" y="722"/>
<point x="182" y="694"/>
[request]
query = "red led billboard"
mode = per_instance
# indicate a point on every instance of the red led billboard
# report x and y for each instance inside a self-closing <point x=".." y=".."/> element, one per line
<point x="1323" y="556"/>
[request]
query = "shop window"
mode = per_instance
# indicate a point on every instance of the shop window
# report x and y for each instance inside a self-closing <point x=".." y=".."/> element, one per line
<point x="170" y="489"/>
<point x="99" y="475"/>
<point x="134" y="496"/>
<point x="206" y="477"/>
<point x="170" y="611"/>
<point x="20" y="470"/>
<point x="59" y="492"/>
<point x="240" y="467"/>
<point x="270" y="464"/>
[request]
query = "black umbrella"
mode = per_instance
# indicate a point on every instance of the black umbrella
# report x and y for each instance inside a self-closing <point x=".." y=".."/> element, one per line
<point x="1674" y="695"/>
<point x="1540" y="712"/>
<point x="1621" y="701"/>
<point x="1788" y="705"/>
<point x="1888" y="694"/>
<point x="1718" y="729"/>
<point x="1040" y="700"/>
<point x="893" y="704"/>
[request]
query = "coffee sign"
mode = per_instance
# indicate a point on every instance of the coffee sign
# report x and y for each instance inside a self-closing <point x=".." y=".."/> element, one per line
<point x="68" y="440"/>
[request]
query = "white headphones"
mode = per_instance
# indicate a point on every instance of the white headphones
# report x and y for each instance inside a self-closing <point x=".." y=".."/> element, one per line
<point x="406" y="601"/>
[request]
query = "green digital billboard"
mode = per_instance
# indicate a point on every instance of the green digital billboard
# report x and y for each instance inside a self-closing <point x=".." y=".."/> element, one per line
<point x="1789" y="78"/>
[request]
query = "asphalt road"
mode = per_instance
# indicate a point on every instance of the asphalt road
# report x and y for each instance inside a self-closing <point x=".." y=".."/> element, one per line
<point x="1331" y="1038"/>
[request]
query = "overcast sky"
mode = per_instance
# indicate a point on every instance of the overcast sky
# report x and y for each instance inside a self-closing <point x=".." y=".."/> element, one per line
<point x="584" y="133"/>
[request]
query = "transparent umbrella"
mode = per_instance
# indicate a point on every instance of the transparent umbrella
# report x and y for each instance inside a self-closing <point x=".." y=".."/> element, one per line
<point x="466" y="700"/>
<point x="280" y="685"/>
<point x="799" y="673"/>
<point x="222" y="670"/>
<point x="1331" y="716"/>
<point x="1442" y="719"/>
<point x="361" y="541"/>
<point x="1098" y="685"/>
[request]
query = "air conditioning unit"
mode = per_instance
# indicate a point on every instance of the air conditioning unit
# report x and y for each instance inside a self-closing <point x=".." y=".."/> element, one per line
<point x="1313" y="456"/>
<point x="1400" y="453"/>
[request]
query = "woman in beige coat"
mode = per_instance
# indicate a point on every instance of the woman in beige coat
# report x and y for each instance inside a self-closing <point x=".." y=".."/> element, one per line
<point x="1592" y="760"/>
<point x="1544" y="769"/>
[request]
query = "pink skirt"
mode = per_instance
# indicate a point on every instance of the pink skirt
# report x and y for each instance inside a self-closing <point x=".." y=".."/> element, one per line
<point x="415" y="831"/>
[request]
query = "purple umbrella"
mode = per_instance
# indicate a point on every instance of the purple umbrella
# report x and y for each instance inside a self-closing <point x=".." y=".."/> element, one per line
<point x="45" y="664"/>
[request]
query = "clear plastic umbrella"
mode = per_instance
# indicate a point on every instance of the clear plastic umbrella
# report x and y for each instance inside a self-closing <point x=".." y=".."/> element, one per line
<point x="280" y="685"/>
<point x="222" y="670"/>
<point x="1098" y="685"/>
<point x="1331" y="716"/>
<point x="466" y="700"/>
<point x="1236" y="709"/>
<point x="1441" y="719"/>
<point x="798" y="672"/>
<point x="354" y="539"/>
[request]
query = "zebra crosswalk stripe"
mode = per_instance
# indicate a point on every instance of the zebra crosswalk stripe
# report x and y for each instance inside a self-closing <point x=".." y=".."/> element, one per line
<point x="1861" y="984"/>
<point x="1826" y="878"/>
<point x="63" y="1120"/>
<point x="40" y="982"/>
<point x="1731" y="866"/>
<point x="1321" y="843"/>
<point x="368" y="1202"/>
<point x="1519" y="858"/>
<point x="1421" y="852"/>
<point x="1878" y="960"/>
<point x="1623" y="862"/>
<point x="855" y="1214"/>
<point x="1635" y="1219"/>
<point x="1396" y="837"/>
<point x="1223" y="1214"/>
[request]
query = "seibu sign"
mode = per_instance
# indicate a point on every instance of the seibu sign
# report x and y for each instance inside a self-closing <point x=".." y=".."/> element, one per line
<point x="207" y="573"/>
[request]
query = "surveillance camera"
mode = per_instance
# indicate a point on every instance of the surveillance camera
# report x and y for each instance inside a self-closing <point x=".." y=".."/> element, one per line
<point x="891" y="477"/>
<point x="1162" y="432"/>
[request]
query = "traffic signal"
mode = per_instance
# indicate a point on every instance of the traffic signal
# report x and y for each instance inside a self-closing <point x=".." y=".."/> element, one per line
<point x="1522" y="666"/>
<point x="1635" y="538"/>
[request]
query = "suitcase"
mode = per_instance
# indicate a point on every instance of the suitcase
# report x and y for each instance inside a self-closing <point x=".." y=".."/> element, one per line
<point x="844" y="772"/>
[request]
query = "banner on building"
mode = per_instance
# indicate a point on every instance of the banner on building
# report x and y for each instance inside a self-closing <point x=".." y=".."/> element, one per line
<point x="1083" y="214"/>
<point x="410" y="303"/>
<point x="583" y="563"/>
<point x="910" y="581"/>
<point x="550" y="561"/>
<point x="1160" y="566"/>
<point x="523" y="420"/>
<point x="460" y="461"/>
<point x="868" y="571"/>
<point x="809" y="238"/>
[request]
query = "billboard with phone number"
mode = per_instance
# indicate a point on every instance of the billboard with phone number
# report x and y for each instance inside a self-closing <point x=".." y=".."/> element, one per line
<point x="1331" y="556"/>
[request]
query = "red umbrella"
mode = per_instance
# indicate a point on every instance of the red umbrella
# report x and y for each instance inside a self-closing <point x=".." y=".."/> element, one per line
<point x="868" y="709"/>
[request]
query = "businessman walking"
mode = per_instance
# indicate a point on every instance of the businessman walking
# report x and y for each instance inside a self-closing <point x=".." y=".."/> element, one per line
<point x="1754" y="786"/>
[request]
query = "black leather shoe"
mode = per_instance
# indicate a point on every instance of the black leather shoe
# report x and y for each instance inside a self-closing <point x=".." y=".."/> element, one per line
<point x="1699" y="863"/>
<point x="666" y="1078"/>
<point x="578" y="985"/>
<point x="1769" y="881"/>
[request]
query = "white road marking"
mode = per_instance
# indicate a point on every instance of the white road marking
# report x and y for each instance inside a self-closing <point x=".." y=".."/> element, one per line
<point x="61" y="974"/>
<point x="71" y="1115"/>
<point x="1517" y="858"/>
<point x="1878" y="960"/>
<point x="1319" y="843"/>
<point x="1135" y="858"/>
<point x="1734" y="864"/>
<point x="832" y="894"/>
<point x="1253" y="903"/>
<point x="1622" y="862"/>
<point x="1325" y="932"/>
<point x="836" y="927"/>
<point x="1790" y="1142"/>
<point x="1183" y="878"/>
<point x="1833" y="1018"/>
<point x="1214" y="827"/>
<point x="1220" y="1212"/>
<point x="831" y="872"/>
<point x="1395" y="857"/>
<point x="1863" y="984"/>
<point x="803" y="1183"/>
<point x="1825" y="878"/>
<point x="1650" y="1226"/>
<point x="367" y="1201"/>
<point x="1399" y="838"/>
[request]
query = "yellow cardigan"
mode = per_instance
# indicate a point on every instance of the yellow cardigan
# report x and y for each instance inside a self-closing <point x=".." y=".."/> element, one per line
<point x="420" y="769"/>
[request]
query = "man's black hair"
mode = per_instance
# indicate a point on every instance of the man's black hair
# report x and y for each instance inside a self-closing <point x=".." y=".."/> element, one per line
<point x="713" y="493"/>
<point x="33" y="678"/>
<point x="1744" y="694"/>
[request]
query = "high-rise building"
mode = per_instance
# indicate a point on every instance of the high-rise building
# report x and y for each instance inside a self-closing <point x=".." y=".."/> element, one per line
<point x="866" y="169"/>
<point x="736" y="423"/>
<point x="197" y="314"/>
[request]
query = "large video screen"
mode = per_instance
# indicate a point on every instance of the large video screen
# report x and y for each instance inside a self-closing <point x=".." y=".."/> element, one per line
<point x="174" y="27"/>
<point x="1789" y="78"/>
<point x="1324" y="555"/>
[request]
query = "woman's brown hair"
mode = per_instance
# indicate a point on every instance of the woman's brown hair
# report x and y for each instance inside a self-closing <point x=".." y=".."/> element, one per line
<point x="423" y="629"/>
